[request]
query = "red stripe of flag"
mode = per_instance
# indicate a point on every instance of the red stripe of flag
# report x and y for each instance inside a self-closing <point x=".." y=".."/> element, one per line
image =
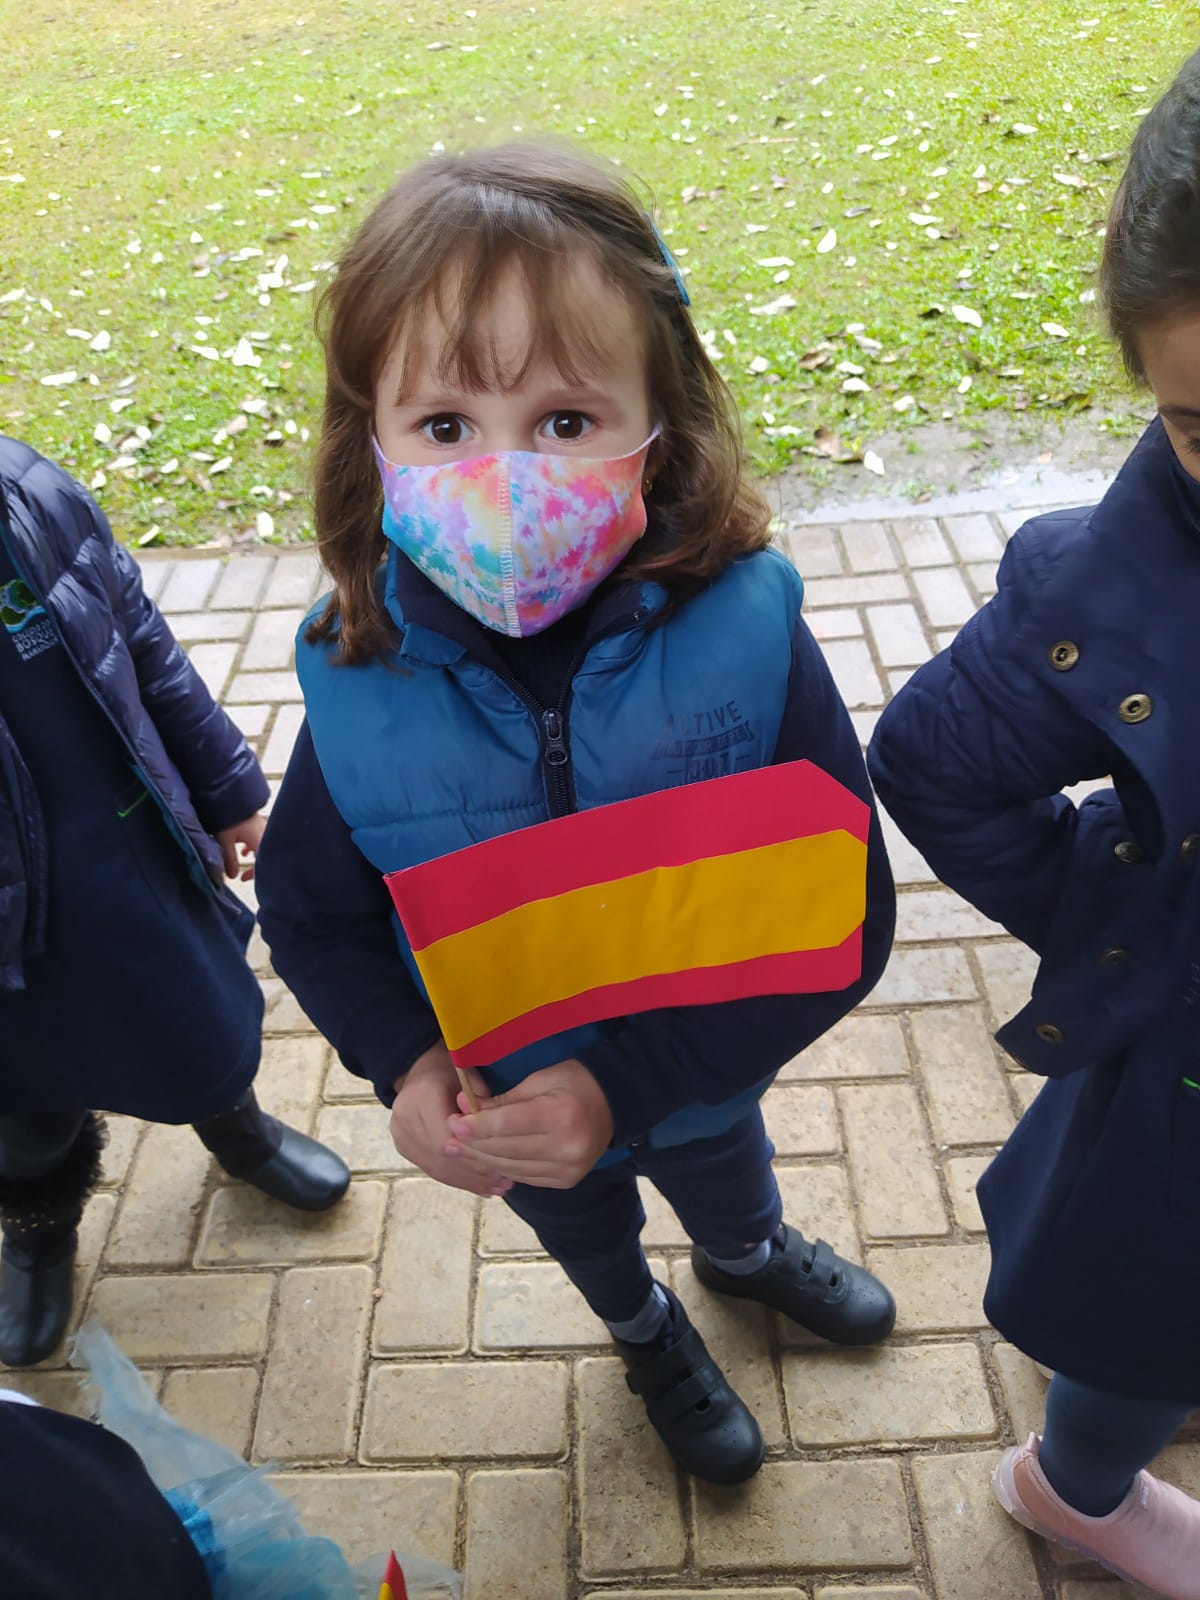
<point x="668" y="828"/>
<point x="794" y="972"/>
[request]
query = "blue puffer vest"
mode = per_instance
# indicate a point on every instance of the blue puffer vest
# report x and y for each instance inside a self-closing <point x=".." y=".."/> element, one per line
<point x="433" y="750"/>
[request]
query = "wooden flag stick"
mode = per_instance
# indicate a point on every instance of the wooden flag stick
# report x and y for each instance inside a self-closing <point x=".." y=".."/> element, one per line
<point x="465" y="1085"/>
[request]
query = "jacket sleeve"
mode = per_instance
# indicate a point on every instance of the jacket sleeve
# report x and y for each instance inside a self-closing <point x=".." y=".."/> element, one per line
<point x="327" y="918"/>
<point x="970" y="756"/>
<point x="221" y="772"/>
<point x="659" y="1061"/>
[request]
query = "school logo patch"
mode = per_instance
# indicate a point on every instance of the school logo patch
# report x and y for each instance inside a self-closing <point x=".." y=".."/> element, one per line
<point x="25" y="620"/>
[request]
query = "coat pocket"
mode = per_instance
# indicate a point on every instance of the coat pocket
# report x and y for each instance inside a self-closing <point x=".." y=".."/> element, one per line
<point x="147" y="844"/>
<point x="1184" y="1171"/>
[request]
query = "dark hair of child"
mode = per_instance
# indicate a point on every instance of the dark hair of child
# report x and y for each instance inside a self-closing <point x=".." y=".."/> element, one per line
<point x="1151" y="263"/>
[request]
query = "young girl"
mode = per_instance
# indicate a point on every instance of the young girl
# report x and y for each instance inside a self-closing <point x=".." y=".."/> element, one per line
<point x="1086" y="665"/>
<point x="513" y="316"/>
<point x="124" y="795"/>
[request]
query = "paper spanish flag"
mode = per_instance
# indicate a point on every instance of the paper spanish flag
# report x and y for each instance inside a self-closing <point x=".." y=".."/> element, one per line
<point x="393" y="1586"/>
<point x="746" y="885"/>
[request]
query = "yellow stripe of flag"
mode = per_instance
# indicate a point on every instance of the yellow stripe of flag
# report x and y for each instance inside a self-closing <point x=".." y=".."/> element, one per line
<point x="801" y="894"/>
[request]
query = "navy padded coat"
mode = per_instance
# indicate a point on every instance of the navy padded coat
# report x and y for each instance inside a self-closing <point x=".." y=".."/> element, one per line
<point x="194" y="760"/>
<point x="1086" y="665"/>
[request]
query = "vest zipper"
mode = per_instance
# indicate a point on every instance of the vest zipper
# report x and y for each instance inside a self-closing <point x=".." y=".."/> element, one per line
<point x="553" y="724"/>
<point x="557" y="760"/>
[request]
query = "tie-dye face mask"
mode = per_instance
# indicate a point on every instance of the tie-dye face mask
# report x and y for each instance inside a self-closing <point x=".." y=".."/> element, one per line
<point x="516" y="539"/>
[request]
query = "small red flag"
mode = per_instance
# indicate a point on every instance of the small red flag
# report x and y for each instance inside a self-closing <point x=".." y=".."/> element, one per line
<point x="393" y="1585"/>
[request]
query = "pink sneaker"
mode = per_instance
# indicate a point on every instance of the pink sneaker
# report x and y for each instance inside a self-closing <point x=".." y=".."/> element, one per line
<point x="1153" y="1537"/>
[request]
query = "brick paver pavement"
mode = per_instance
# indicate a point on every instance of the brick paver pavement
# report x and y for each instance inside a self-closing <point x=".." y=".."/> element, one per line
<point x="435" y="1383"/>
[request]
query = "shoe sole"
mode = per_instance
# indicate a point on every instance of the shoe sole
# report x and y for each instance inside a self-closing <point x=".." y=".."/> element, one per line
<point x="1005" y="1491"/>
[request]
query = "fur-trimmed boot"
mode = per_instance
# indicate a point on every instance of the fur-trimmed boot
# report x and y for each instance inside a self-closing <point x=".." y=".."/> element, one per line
<point x="38" y="1219"/>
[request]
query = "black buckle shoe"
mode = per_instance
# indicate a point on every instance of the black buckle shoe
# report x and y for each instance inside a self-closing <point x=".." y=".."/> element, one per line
<point x="708" y="1429"/>
<point x="302" y="1173"/>
<point x="813" y="1286"/>
<point x="35" y="1305"/>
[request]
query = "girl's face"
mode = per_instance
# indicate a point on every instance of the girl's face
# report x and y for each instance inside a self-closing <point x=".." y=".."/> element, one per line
<point x="433" y="419"/>
<point x="1170" y="353"/>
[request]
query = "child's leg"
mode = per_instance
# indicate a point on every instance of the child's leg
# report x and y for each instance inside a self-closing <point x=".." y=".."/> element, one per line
<point x="34" y="1143"/>
<point x="593" y="1232"/>
<point x="1083" y="1486"/>
<point x="722" y="1189"/>
<point x="724" y="1192"/>
<point x="49" y="1165"/>
<point x="1094" y="1444"/>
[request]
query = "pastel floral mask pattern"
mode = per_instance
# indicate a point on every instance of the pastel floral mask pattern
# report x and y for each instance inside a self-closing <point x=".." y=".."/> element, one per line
<point x="516" y="539"/>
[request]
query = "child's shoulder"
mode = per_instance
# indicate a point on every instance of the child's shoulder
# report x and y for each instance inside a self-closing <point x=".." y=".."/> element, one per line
<point x="1134" y="536"/>
<point x="1047" y="545"/>
<point x="769" y="571"/>
<point x="759" y="593"/>
<point x="16" y="457"/>
<point x="39" y="480"/>
<point x="50" y="508"/>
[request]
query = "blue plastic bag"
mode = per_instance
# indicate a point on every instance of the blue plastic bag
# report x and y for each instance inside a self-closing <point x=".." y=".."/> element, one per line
<point x="249" y="1536"/>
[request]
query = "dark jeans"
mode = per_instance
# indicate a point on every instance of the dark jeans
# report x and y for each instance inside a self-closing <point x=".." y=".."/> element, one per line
<point x="722" y="1190"/>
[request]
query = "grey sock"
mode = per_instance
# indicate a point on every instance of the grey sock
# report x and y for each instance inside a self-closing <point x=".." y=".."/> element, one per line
<point x="741" y="1266"/>
<point x="649" y="1322"/>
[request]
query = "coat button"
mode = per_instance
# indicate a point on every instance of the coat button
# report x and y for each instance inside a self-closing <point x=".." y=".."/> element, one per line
<point x="1135" y="707"/>
<point x="1064" y="655"/>
<point x="1114" y="957"/>
<point x="1048" y="1033"/>
<point x="1190" y="848"/>
<point x="1128" y="851"/>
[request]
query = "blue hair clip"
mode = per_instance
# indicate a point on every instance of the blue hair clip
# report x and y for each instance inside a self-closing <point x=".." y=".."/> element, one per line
<point x="684" y="296"/>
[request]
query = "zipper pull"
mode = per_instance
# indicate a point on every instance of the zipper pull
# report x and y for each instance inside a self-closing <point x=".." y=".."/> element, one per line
<point x="557" y="754"/>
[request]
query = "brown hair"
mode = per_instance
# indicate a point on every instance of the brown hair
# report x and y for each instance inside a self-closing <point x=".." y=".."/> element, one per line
<point x="440" y="239"/>
<point x="1151" y="261"/>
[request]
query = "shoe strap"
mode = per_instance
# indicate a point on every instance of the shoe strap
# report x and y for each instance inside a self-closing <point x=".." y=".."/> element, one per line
<point x="684" y="1397"/>
<point x="686" y="1357"/>
<point x="824" y="1264"/>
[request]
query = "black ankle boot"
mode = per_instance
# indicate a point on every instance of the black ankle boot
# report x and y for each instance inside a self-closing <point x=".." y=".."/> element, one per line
<point x="707" y="1427"/>
<point x="276" y="1159"/>
<point x="35" y="1302"/>
<point x="38" y="1218"/>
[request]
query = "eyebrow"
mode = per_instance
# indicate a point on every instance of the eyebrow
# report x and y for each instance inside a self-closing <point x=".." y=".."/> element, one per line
<point x="1180" y="413"/>
<point x="562" y="398"/>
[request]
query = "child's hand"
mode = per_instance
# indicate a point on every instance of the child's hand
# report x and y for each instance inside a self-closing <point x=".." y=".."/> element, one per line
<point x="425" y="1098"/>
<point x="549" y="1131"/>
<point x="248" y="835"/>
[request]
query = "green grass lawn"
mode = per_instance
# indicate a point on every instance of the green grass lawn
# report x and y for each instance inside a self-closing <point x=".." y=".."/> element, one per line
<point x="888" y="209"/>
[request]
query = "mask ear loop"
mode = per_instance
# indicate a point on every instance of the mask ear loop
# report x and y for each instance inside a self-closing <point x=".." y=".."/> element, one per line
<point x="684" y="297"/>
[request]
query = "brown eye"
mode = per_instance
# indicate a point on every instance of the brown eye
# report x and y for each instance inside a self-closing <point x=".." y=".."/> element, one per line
<point x="445" y="428"/>
<point x="567" y="425"/>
